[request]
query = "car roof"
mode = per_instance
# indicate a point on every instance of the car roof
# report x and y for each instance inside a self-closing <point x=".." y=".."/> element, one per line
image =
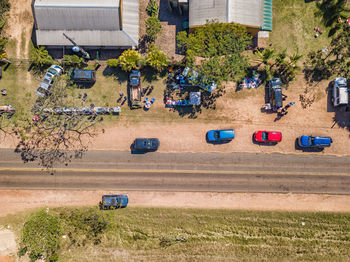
<point x="275" y="135"/>
<point x="226" y="133"/>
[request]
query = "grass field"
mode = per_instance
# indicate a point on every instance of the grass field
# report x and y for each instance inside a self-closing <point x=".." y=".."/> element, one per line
<point x="293" y="27"/>
<point x="159" y="234"/>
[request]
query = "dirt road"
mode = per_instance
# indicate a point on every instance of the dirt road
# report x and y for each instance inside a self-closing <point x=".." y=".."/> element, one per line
<point x="12" y="201"/>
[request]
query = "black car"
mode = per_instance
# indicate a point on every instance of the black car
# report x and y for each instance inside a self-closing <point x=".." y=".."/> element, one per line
<point x="275" y="93"/>
<point x="146" y="144"/>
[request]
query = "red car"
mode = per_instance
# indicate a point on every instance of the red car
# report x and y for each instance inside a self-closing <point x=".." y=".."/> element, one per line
<point x="267" y="136"/>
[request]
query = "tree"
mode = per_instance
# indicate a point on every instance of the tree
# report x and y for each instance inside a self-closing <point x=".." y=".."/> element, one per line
<point x="333" y="10"/>
<point x="56" y="136"/>
<point x="40" y="57"/>
<point x="113" y="62"/>
<point x="41" y="236"/>
<point x="130" y="59"/>
<point x="153" y="27"/>
<point x="215" y="39"/>
<point x="334" y="59"/>
<point x="152" y="8"/>
<point x="157" y="58"/>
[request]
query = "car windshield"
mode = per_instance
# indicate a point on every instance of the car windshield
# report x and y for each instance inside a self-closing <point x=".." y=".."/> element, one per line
<point x="311" y="141"/>
<point x="134" y="81"/>
<point x="264" y="135"/>
<point x="216" y="135"/>
<point x="52" y="71"/>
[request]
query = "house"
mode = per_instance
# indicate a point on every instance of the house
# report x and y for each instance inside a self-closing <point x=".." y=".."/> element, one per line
<point x="90" y="23"/>
<point x="255" y="15"/>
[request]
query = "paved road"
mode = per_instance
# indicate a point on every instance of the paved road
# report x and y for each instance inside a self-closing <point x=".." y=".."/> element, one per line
<point x="215" y="172"/>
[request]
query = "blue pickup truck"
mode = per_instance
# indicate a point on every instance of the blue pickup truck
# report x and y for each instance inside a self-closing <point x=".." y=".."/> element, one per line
<point x="314" y="141"/>
<point x="114" y="201"/>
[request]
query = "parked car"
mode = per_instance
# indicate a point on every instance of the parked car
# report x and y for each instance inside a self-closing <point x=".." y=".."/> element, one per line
<point x="340" y="92"/>
<point x="114" y="201"/>
<point x="314" y="141"/>
<point x="48" y="79"/>
<point x="267" y="136"/>
<point x="275" y="93"/>
<point x="83" y="75"/>
<point x="222" y="135"/>
<point x="146" y="144"/>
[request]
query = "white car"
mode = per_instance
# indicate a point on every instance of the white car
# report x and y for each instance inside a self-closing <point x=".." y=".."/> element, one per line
<point x="45" y="84"/>
<point x="340" y="93"/>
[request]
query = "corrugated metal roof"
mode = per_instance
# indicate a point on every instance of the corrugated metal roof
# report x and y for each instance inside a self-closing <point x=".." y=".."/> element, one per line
<point x="78" y="3"/>
<point x="130" y="18"/>
<point x="68" y="18"/>
<point x="202" y="10"/>
<point x="88" y="22"/>
<point x="247" y="12"/>
<point x="83" y="38"/>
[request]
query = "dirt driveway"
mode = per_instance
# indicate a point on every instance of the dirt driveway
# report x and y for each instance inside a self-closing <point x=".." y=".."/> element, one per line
<point x="12" y="201"/>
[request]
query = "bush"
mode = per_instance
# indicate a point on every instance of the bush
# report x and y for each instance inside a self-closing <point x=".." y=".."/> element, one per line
<point x="40" y="57"/>
<point x="130" y="59"/>
<point x="153" y="27"/>
<point x="40" y="235"/>
<point x="157" y="58"/>
<point x="72" y="61"/>
<point x="112" y="62"/>
<point x="152" y="8"/>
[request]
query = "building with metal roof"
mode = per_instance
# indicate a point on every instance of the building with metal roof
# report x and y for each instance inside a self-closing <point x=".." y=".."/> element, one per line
<point x="90" y="23"/>
<point x="256" y="15"/>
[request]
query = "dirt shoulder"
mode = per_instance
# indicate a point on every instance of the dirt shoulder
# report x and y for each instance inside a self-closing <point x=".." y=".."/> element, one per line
<point x="12" y="201"/>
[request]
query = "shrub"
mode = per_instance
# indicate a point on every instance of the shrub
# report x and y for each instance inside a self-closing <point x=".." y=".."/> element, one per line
<point x="40" y="235"/>
<point x="157" y="58"/>
<point x="130" y="59"/>
<point x="40" y="57"/>
<point x="152" y="8"/>
<point x="153" y="27"/>
<point x="112" y="62"/>
<point x="72" y="61"/>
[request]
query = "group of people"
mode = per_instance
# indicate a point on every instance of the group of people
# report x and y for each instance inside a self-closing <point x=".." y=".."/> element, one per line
<point x="284" y="111"/>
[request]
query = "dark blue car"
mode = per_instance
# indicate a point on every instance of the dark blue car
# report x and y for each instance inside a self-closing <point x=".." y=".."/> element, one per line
<point x="223" y="135"/>
<point x="314" y="141"/>
<point x="114" y="201"/>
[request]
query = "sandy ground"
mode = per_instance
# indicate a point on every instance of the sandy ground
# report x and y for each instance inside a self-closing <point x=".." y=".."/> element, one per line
<point x="8" y="245"/>
<point x="12" y="201"/>
<point x="20" y="25"/>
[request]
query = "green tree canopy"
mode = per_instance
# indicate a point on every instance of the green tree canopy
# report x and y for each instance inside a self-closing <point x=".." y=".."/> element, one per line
<point x="130" y="59"/>
<point x="157" y="58"/>
<point x="215" y="39"/>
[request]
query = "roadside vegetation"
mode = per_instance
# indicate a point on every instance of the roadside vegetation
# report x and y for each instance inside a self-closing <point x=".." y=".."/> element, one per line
<point x="152" y="234"/>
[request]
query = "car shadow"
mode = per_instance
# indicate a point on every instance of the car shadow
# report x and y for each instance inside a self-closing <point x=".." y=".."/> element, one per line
<point x="307" y="149"/>
<point x="136" y="152"/>
<point x="217" y="142"/>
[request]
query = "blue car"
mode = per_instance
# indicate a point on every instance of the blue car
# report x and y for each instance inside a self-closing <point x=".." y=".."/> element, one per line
<point x="114" y="201"/>
<point x="223" y="135"/>
<point x="314" y="141"/>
